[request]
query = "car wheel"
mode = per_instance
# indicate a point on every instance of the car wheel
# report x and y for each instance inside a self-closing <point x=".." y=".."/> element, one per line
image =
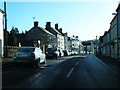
<point x="56" y="56"/>
<point x="37" y="63"/>
<point x="17" y="64"/>
<point x="60" y="55"/>
<point x="44" y="61"/>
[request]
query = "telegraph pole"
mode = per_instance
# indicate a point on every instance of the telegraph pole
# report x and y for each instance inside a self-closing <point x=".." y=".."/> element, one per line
<point x="96" y="45"/>
<point x="5" y="32"/>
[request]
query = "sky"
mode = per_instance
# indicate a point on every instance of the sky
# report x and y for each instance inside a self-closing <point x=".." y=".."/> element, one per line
<point x="85" y="19"/>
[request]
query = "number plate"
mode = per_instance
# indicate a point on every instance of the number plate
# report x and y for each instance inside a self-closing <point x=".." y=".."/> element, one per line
<point x="22" y="55"/>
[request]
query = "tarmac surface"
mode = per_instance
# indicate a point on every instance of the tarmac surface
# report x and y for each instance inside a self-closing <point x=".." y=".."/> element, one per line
<point x="112" y="62"/>
<point x="79" y="71"/>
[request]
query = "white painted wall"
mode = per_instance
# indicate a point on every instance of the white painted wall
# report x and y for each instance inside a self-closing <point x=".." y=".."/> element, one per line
<point x="1" y="35"/>
<point x="60" y="41"/>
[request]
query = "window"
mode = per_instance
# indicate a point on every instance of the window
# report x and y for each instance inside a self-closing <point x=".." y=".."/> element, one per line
<point x="26" y="49"/>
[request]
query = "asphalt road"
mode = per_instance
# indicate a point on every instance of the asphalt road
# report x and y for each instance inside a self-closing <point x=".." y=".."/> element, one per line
<point x="76" y="72"/>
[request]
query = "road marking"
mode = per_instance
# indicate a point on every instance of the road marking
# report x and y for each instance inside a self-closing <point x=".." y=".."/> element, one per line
<point x="106" y="65"/>
<point x="68" y="75"/>
<point x="76" y="62"/>
<point x="37" y="75"/>
<point x="80" y="56"/>
<point x="43" y="67"/>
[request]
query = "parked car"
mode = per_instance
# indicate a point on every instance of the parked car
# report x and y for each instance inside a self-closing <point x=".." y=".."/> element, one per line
<point x="75" y="52"/>
<point x="54" y="52"/>
<point x="71" y="52"/>
<point x="66" y="52"/>
<point x="61" y="52"/>
<point x="29" y="55"/>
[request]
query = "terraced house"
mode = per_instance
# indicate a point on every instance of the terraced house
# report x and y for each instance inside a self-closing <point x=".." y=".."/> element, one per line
<point x="38" y="35"/>
<point x="106" y="43"/>
<point x="118" y="30"/>
<point x="59" y="40"/>
<point x="113" y="37"/>
<point x="42" y="37"/>
<point x="110" y="41"/>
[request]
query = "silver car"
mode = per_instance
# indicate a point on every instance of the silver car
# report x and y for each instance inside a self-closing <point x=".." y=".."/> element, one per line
<point x="29" y="54"/>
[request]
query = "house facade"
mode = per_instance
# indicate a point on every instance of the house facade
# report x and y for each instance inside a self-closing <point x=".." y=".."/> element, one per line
<point x="110" y="41"/>
<point x="67" y="42"/>
<point x="38" y="36"/>
<point x="1" y="34"/>
<point x="49" y="37"/>
<point x="118" y="29"/>
<point x="76" y="44"/>
<point x="59" y="40"/>
<point x="109" y="45"/>
<point x="113" y="37"/>
<point x="106" y="45"/>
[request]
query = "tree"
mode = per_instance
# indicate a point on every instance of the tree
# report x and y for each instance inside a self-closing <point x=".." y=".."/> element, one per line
<point x="12" y="39"/>
<point x="87" y="43"/>
<point x="16" y="30"/>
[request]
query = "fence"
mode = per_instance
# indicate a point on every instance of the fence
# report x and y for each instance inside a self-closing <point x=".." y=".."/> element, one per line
<point x="11" y="50"/>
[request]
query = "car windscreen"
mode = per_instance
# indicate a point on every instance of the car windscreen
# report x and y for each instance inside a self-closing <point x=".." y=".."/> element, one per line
<point x="26" y="49"/>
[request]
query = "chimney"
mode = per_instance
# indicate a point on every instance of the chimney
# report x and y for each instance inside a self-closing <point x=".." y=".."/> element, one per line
<point x="60" y="30"/>
<point x="56" y="26"/>
<point x="48" y="25"/>
<point x="36" y="24"/>
<point x="76" y="36"/>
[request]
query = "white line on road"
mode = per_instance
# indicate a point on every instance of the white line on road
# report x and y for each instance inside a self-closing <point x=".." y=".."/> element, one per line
<point x="68" y="75"/>
<point x="37" y="75"/>
<point x="80" y="56"/>
<point x="76" y="62"/>
<point x="107" y="66"/>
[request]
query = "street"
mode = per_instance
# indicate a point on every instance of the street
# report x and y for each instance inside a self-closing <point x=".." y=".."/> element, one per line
<point x="79" y="71"/>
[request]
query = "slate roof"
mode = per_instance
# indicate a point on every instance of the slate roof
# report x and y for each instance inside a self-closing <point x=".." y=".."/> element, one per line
<point x="44" y="30"/>
<point x="56" y="31"/>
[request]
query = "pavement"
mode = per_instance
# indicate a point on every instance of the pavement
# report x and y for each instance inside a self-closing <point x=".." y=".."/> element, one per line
<point x="7" y="60"/>
<point x="114" y="63"/>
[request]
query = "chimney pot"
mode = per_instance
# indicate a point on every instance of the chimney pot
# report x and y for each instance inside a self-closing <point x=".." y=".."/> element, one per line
<point x="60" y="30"/>
<point x="56" y="26"/>
<point x="48" y="25"/>
<point x="36" y="24"/>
